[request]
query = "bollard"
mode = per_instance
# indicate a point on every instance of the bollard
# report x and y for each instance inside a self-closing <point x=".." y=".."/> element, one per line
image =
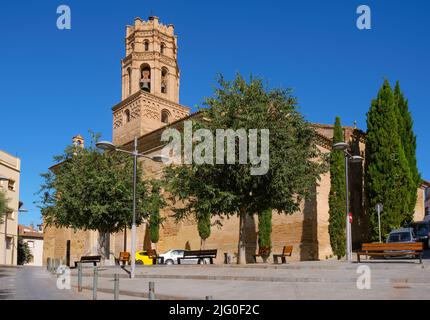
<point x="116" y="287"/>
<point x="48" y="264"/>
<point x="80" y="277"/>
<point x="209" y="298"/>
<point x="151" y="294"/>
<point x="95" y="278"/>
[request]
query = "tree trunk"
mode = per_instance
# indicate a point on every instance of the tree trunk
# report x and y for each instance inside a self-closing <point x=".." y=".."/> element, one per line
<point x="241" y="250"/>
<point x="202" y="244"/>
<point x="125" y="239"/>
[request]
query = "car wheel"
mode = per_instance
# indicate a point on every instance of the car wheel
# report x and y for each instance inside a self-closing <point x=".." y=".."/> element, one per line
<point x="139" y="262"/>
<point x="169" y="262"/>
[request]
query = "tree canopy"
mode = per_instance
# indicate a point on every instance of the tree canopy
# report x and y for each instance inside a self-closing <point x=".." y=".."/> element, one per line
<point x="3" y="205"/>
<point x="388" y="178"/>
<point x="92" y="190"/>
<point x="295" y="163"/>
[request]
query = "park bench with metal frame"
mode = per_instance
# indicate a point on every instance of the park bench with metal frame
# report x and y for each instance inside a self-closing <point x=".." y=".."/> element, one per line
<point x="200" y="255"/>
<point x="89" y="259"/>
<point x="124" y="257"/>
<point x="287" y="251"/>
<point x="386" y="250"/>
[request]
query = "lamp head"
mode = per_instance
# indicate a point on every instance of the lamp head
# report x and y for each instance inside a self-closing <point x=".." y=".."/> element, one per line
<point x="356" y="159"/>
<point x="106" y="145"/>
<point x="340" y="146"/>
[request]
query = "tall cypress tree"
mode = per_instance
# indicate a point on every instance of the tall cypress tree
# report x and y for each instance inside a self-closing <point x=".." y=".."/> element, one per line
<point x="265" y="232"/>
<point x="337" y="196"/>
<point x="387" y="174"/>
<point x="409" y="144"/>
<point x="203" y="226"/>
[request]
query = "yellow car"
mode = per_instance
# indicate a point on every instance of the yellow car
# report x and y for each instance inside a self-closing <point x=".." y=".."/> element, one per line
<point x="143" y="258"/>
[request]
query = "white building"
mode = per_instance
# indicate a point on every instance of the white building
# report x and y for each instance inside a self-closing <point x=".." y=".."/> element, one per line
<point x="34" y="238"/>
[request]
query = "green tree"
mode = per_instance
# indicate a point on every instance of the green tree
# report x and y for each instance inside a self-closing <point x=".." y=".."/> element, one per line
<point x="92" y="190"/>
<point x="203" y="226"/>
<point x="337" y="196"/>
<point x="387" y="174"/>
<point x="155" y="220"/>
<point x="295" y="163"/>
<point x="24" y="252"/>
<point x="409" y="144"/>
<point x="265" y="232"/>
<point x="3" y="205"/>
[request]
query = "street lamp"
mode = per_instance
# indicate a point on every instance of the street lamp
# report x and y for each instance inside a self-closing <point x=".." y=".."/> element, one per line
<point x="343" y="146"/>
<point x="107" y="145"/>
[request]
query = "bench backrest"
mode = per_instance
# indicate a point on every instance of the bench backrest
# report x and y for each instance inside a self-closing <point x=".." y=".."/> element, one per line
<point x="124" y="255"/>
<point x="198" y="253"/>
<point x="287" y="250"/>
<point x="413" y="246"/>
<point x="91" y="258"/>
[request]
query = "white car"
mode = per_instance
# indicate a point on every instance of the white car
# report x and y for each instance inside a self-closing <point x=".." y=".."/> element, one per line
<point x="171" y="257"/>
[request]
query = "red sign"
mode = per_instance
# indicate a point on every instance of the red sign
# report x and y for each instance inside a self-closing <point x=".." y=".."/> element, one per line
<point x="350" y="217"/>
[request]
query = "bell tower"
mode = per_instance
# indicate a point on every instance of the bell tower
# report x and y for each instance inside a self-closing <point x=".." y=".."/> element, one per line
<point x="151" y="61"/>
<point x="150" y="81"/>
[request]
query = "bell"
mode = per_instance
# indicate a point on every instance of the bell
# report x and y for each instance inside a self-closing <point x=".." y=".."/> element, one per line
<point x="144" y="84"/>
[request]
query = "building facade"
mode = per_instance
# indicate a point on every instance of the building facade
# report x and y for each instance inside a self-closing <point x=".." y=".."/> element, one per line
<point x="34" y="239"/>
<point x="150" y="103"/>
<point x="10" y="171"/>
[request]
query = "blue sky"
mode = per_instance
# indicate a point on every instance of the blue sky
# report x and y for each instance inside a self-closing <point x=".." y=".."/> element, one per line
<point x="55" y="84"/>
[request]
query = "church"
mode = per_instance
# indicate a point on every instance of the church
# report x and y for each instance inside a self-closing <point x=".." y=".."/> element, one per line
<point x="150" y="104"/>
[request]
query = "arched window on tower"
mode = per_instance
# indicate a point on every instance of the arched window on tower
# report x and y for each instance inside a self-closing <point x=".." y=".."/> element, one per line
<point x="129" y="80"/>
<point x="146" y="45"/>
<point x="162" y="47"/>
<point x="164" y="73"/>
<point x="145" y="77"/>
<point x="165" y="116"/>
<point x="127" y="116"/>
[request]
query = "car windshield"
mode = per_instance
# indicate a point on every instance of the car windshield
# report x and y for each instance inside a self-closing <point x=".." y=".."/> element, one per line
<point x="421" y="229"/>
<point x="400" y="237"/>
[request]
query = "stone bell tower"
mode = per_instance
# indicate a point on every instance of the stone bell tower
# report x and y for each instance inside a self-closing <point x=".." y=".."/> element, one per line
<point x="150" y="81"/>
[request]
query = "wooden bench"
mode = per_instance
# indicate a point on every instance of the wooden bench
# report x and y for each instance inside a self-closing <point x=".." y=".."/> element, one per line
<point x="89" y="259"/>
<point x="265" y="251"/>
<point x="200" y="255"/>
<point x="385" y="250"/>
<point x="286" y="252"/>
<point x="124" y="257"/>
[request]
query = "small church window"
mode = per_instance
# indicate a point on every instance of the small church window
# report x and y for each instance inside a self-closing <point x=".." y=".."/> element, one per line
<point x="146" y="45"/>
<point x="127" y="115"/>
<point x="165" y="116"/>
<point x="162" y="47"/>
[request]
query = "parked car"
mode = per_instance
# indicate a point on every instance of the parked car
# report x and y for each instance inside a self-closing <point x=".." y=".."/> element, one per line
<point x="143" y="258"/>
<point x="422" y="231"/>
<point x="403" y="235"/>
<point x="171" y="256"/>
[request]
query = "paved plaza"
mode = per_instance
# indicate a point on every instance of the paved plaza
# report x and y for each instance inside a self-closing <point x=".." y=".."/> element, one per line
<point x="333" y="280"/>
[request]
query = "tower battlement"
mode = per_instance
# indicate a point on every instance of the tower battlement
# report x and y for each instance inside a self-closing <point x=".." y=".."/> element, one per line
<point x="152" y="23"/>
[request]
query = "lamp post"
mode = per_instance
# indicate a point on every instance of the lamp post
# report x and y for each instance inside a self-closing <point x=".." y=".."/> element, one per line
<point x="343" y="146"/>
<point x="106" y="145"/>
